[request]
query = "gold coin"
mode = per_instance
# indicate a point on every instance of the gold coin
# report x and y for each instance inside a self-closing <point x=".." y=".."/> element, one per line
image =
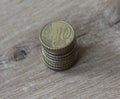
<point x="66" y="56"/>
<point x="57" y="35"/>
<point x="61" y="63"/>
<point x="60" y="67"/>
<point x="59" y="45"/>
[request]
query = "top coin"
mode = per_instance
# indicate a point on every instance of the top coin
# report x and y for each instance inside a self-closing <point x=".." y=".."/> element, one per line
<point x="57" y="35"/>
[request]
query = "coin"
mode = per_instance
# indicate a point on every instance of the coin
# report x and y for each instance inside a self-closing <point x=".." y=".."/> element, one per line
<point x="68" y="59"/>
<point x="59" y="62"/>
<point x="57" y="36"/>
<point x="60" y="67"/>
<point x="59" y="45"/>
<point x="66" y="56"/>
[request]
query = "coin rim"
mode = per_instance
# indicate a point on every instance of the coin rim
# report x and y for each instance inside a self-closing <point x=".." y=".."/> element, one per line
<point x="61" y="68"/>
<point x="58" y="57"/>
<point x="55" y="63"/>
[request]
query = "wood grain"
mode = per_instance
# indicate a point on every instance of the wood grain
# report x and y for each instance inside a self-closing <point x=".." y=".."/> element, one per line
<point x="96" y="74"/>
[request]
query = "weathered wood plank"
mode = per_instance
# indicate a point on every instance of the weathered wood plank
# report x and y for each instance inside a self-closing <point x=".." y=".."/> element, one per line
<point x="95" y="76"/>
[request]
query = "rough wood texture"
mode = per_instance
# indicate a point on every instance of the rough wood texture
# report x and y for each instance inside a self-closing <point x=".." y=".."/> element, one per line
<point x="97" y="73"/>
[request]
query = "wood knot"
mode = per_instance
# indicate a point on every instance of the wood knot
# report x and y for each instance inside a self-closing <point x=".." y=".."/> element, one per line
<point x="20" y="53"/>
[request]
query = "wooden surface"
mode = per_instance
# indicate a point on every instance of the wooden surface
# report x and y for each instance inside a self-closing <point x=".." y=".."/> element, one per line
<point x="97" y="73"/>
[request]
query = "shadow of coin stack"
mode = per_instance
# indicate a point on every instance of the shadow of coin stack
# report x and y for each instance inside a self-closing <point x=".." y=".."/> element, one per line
<point x="59" y="48"/>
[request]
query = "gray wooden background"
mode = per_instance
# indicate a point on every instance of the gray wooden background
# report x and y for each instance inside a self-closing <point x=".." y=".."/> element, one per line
<point x="22" y="72"/>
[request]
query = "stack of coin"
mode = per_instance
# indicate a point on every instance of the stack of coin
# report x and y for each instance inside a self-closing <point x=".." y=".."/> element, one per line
<point x="59" y="45"/>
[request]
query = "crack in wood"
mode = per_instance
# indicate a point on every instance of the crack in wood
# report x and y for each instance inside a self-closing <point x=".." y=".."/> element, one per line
<point x="116" y="22"/>
<point x="81" y="35"/>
